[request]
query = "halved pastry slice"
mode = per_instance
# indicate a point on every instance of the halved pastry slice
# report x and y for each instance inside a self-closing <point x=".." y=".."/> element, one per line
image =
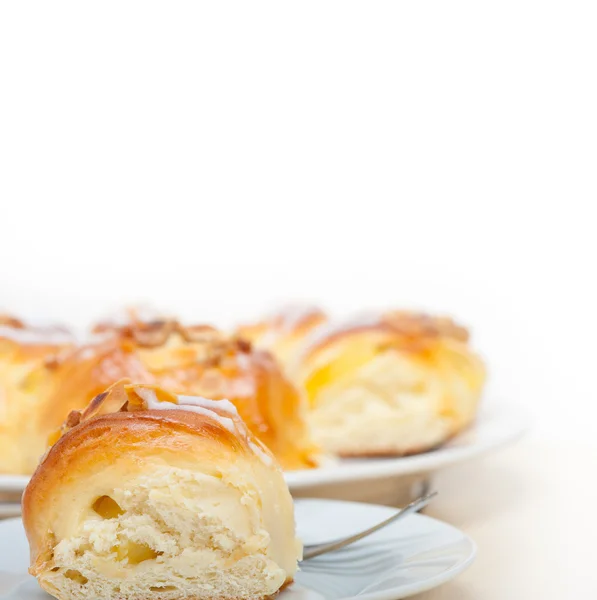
<point x="169" y="497"/>
<point x="389" y="384"/>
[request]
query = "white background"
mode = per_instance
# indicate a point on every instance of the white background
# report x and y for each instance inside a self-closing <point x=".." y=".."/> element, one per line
<point x="218" y="159"/>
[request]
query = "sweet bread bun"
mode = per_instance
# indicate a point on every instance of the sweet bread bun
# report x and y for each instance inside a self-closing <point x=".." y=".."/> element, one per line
<point x="389" y="384"/>
<point x="283" y="333"/>
<point x="170" y="498"/>
<point x="24" y="350"/>
<point x="203" y="361"/>
<point x="197" y="360"/>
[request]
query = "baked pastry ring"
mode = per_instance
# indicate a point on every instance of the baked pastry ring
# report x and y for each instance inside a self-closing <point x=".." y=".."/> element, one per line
<point x="195" y="360"/>
<point x="169" y="497"/>
<point x="389" y="384"/>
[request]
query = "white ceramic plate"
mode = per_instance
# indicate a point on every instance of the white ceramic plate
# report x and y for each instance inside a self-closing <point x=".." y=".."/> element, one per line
<point x="498" y="424"/>
<point x="406" y="558"/>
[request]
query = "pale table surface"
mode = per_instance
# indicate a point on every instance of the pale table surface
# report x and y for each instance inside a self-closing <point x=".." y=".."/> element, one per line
<point x="531" y="510"/>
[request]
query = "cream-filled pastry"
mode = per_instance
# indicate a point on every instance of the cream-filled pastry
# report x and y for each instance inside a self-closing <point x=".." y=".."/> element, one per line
<point x="147" y="494"/>
<point x="389" y="384"/>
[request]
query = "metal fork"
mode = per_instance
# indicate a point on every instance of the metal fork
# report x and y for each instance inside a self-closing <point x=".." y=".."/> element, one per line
<point x="313" y="550"/>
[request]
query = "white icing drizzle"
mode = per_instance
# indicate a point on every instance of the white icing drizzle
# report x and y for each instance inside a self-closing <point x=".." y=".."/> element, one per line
<point x="205" y="406"/>
<point x="202" y="406"/>
<point x="292" y="315"/>
<point x="319" y="335"/>
<point x="223" y="405"/>
<point x="35" y="336"/>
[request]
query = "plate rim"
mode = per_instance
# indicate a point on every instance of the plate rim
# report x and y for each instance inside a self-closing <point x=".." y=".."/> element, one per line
<point x="375" y="468"/>
<point x="411" y="589"/>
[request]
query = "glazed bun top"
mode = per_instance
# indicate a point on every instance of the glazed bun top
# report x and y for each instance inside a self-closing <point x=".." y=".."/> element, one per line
<point x="198" y="360"/>
<point x="437" y="344"/>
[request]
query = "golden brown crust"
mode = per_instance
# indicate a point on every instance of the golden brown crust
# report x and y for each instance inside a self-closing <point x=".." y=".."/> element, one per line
<point x="202" y="360"/>
<point x="10" y="321"/>
<point x="125" y="428"/>
<point x="266" y="400"/>
<point x="414" y="324"/>
<point x="151" y="334"/>
<point x="125" y="397"/>
<point x="409" y="331"/>
<point x="186" y="359"/>
<point x="80" y="375"/>
<point x="196" y="360"/>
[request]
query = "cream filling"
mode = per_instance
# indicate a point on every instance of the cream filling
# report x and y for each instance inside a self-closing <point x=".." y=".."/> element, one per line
<point x="176" y="525"/>
<point x="391" y="404"/>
